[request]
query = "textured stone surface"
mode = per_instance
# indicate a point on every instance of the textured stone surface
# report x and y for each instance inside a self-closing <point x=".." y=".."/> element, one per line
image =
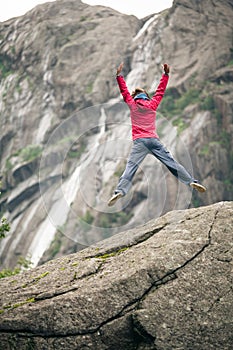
<point x="165" y="285"/>
<point x="58" y="61"/>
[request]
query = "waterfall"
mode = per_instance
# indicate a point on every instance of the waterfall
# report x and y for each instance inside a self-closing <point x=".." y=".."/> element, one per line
<point x="90" y="179"/>
<point x="145" y="27"/>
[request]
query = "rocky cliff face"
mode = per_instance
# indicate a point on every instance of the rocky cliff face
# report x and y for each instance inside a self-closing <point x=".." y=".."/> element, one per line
<point x="66" y="135"/>
<point x="165" y="285"/>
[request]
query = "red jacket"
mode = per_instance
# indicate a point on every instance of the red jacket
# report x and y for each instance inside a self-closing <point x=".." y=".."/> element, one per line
<point x="142" y="112"/>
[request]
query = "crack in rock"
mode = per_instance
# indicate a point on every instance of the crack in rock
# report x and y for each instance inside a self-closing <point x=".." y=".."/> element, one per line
<point x="136" y="240"/>
<point x="133" y="303"/>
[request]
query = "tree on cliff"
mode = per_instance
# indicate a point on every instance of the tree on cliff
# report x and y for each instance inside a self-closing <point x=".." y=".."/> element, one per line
<point x="4" y="226"/>
<point x="22" y="262"/>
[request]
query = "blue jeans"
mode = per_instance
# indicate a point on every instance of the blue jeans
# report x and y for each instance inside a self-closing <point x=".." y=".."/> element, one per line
<point x="142" y="147"/>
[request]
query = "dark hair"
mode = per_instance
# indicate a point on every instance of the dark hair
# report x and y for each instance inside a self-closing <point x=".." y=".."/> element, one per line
<point x="139" y="90"/>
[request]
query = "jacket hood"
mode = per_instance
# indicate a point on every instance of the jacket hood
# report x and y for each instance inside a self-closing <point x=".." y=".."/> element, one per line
<point x="141" y="95"/>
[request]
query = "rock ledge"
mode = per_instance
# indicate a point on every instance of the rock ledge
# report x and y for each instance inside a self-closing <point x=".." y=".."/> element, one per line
<point x="165" y="285"/>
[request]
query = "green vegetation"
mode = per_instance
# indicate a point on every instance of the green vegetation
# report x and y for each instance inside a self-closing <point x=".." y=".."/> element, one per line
<point x="196" y="202"/>
<point x="16" y="305"/>
<point x="86" y="220"/>
<point x="173" y="106"/>
<point x="56" y="243"/>
<point x="12" y="50"/>
<point x="205" y="150"/>
<point x="225" y="139"/>
<point x="228" y="185"/>
<point x="189" y="97"/>
<point x="173" y="103"/>
<point x="181" y="125"/>
<point x="8" y="272"/>
<point x="5" y="66"/>
<point x="167" y="106"/>
<point x="77" y="149"/>
<point x="4" y="224"/>
<point x="26" y="154"/>
<point x="109" y="255"/>
<point x="89" y="88"/>
<point x="107" y="220"/>
<point x="208" y="103"/>
<point x="22" y="264"/>
<point x="30" y="152"/>
<point x="222" y="139"/>
<point x="83" y="18"/>
<point x="67" y="139"/>
<point x="35" y="279"/>
<point x="4" y="227"/>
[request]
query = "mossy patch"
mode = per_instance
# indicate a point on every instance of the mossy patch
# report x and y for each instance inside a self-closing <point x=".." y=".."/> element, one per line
<point x="16" y="305"/>
<point x="36" y="279"/>
<point x="110" y="255"/>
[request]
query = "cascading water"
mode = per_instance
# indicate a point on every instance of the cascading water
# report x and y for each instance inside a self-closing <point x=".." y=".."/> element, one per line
<point x="88" y="185"/>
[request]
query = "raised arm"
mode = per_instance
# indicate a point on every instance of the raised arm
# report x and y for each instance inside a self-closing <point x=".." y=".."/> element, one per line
<point x="122" y="85"/>
<point x="159" y="93"/>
